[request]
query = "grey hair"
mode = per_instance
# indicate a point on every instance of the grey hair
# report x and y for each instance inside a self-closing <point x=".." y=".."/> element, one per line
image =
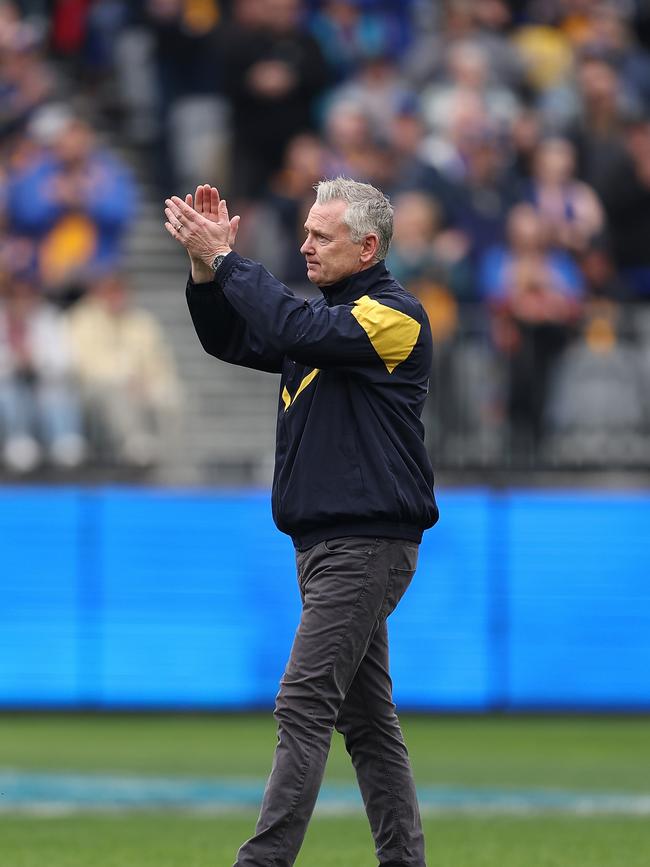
<point x="368" y="210"/>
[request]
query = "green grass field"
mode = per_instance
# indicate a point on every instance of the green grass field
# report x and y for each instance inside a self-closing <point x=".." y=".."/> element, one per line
<point x="600" y="754"/>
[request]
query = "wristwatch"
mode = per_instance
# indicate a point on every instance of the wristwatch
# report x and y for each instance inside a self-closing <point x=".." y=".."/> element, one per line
<point x="216" y="262"/>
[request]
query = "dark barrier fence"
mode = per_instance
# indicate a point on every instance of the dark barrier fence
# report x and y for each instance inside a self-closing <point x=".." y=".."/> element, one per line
<point x="575" y="400"/>
<point x="150" y="598"/>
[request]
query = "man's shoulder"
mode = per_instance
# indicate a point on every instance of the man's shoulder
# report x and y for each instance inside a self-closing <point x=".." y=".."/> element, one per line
<point x="392" y="294"/>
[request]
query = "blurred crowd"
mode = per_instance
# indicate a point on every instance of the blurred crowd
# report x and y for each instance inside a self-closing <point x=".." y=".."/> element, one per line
<point x="512" y="137"/>
<point x="86" y="379"/>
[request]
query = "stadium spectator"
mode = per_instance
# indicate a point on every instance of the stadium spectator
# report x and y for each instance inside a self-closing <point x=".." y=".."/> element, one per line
<point x="83" y="35"/>
<point x="466" y="121"/>
<point x="423" y="254"/>
<point x="525" y="134"/>
<point x="602" y="278"/>
<point x="352" y="151"/>
<point x="187" y="59"/>
<point x="626" y="197"/>
<point x="596" y="129"/>
<point x="433" y="265"/>
<point x="483" y="187"/>
<point x="128" y="378"/>
<point x="410" y="169"/>
<point x="548" y="60"/>
<point x="40" y="416"/>
<point x="349" y="34"/>
<point x="572" y="214"/>
<point x="357" y="147"/>
<point x="467" y="72"/>
<point x="274" y="71"/>
<point x="345" y="35"/>
<point x="483" y="25"/>
<point x="607" y="34"/>
<point x="275" y="227"/>
<point x="73" y="199"/>
<point x="26" y="79"/>
<point x="378" y="89"/>
<point x="534" y="293"/>
<point x="105" y="22"/>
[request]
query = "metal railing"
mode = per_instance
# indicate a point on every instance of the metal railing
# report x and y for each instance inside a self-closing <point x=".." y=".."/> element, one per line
<point x="578" y="402"/>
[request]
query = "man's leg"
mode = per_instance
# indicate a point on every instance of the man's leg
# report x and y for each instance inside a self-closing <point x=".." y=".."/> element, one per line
<point x="373" y="737"/>
<point x="347" y="586"/>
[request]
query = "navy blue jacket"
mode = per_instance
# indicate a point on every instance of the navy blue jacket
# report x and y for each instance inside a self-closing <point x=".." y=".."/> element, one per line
<point x="350" y="456"/>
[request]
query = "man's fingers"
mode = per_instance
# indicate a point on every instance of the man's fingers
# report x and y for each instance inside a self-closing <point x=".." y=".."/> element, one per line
<point x="186" y="213"/>
<point x="177" y="202"/>
<point x="234" y="226"/>
<point x="206" y="200"/>
<point x="173" y="216"/>
<point x="174" y="233"/>
<point x="175" y="213"/>
<point x="202" y="227"/>
<point x="214" y="200"/>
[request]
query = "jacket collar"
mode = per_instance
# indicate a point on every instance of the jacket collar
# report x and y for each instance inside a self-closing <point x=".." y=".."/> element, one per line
<point x="353" y="287"/>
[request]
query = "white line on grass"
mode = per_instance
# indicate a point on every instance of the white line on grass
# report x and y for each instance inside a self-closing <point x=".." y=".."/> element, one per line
<point x="57" y="794"/>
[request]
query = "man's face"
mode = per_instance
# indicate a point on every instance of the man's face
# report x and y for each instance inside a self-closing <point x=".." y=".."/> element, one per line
<point x="329" y="251"/>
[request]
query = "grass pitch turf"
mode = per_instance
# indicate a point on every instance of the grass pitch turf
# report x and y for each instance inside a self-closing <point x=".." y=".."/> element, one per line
<point x="590" y="753"/>
<point x="189" y="841"/>
<point x="580" y="754"/>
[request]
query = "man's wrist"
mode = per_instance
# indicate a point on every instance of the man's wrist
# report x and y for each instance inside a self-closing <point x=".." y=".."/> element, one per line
<point x="201" y="273"/>
<point x="205" y="268"/>
<point x="221" y="251"/>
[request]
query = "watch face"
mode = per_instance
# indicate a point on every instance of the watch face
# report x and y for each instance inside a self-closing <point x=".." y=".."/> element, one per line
<point x="217" y="261"/>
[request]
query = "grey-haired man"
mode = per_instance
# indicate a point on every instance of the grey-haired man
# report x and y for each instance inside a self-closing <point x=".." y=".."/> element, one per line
<point x="352" y="487"/>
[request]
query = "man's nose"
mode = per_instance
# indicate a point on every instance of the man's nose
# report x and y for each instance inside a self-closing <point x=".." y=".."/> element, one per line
<point x="307" y="245"/>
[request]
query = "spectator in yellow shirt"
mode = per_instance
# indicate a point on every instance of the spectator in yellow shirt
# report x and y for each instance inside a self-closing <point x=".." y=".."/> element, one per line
<point x="128" y="377"/>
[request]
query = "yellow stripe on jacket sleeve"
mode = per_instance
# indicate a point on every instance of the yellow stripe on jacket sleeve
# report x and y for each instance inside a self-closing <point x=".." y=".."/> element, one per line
<point x="392" y="333"/>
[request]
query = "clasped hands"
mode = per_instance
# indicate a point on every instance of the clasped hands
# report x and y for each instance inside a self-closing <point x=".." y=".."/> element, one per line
<point x="203" y="226"/>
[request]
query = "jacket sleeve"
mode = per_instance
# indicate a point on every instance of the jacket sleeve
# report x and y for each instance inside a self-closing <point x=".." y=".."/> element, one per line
<point x="224" y="333"/>
<point x="364" y="333"/>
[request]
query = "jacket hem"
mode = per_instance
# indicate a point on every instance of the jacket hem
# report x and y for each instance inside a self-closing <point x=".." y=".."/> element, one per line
<point x="387" y="530"/>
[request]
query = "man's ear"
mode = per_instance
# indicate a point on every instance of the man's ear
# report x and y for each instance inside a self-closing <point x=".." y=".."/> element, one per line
<point x="369" y="248"/>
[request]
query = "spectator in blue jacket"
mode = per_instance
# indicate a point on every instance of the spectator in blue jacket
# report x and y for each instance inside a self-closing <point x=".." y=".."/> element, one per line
<point x="352" y="487"/>
<point x="74" y="199"/>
